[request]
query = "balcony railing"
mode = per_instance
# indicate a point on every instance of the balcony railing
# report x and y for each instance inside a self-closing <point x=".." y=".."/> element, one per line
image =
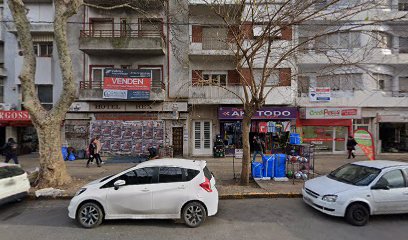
<point x="121" y="33"/>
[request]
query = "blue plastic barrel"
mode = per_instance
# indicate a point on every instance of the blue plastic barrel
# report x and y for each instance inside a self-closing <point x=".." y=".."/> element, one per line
<point x="280" y="165"/>
<point x="64" y="151"/>
<point x="268" y="165"/>
<point x="257" y="169"/>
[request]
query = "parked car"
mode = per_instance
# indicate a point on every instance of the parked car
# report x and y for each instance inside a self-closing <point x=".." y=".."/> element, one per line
<point x="14" y="183"/>
<point x="357" y="190"/>
<point x="156" y="189"/>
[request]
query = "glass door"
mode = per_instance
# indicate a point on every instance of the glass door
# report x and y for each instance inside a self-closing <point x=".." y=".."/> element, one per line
<point x="340" y="138"/>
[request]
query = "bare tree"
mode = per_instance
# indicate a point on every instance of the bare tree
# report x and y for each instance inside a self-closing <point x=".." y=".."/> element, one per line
<point x="257" y="34"/>
<point x="47" y="123"/>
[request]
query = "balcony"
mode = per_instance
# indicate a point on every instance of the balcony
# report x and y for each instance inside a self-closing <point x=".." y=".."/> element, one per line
<point x="100" y="42"/>
<point x="212" y="47"/>
<point x="93" y="90"/>
<point x="215" y="95"/>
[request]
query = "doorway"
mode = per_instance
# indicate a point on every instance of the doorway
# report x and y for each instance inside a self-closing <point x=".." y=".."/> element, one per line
<point x="202" y="137"/>
<point x="177" y="141"/>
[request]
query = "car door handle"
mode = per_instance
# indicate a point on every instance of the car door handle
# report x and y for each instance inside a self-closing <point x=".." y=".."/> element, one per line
<point x="145" y="190"/>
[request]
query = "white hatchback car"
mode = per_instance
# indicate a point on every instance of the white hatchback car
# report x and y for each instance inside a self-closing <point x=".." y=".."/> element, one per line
<point x="357" y="190"/>
<point x="156" y="189"/>
<point x="14" y="183"/>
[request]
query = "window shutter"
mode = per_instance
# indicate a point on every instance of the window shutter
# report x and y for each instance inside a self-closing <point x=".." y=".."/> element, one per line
<point x="197" y="34"/>
<point x="196" y="76"/>
<point x="233" y="77"/>
<point x="246" y="29"/>
<point x="231" y="31"/>
<point x="287" y="33"/>
<point x="246" y="77"/>
<point x="285" y="77"/>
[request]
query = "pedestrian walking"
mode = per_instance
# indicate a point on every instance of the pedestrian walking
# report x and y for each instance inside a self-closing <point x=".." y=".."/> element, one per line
<point x="91" y="151"/>
<point x="10" y="151"/>
<point x="258" y="147"/>
<point x="351" y="146"/>
<point x="98" y="150"/>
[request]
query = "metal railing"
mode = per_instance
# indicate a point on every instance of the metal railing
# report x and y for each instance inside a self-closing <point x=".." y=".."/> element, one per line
<point x="121" y="33"/>
<point x="215" y="92"/>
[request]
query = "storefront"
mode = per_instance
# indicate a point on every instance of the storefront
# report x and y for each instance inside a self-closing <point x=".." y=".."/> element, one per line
<point x="17" y="125"/>
<point x="128" y="128"/>
<point x="393" y="132"/>
<point x="271" y="124"/>
<point x="327" y="128"/>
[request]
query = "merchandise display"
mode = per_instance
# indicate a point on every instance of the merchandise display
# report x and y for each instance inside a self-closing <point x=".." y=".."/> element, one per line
<point x="300" y="161"/>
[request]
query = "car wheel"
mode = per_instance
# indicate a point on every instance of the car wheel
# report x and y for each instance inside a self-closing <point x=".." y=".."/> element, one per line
<point x="89" y="215"/>
<point x="194" y="214"/>
<point x="357" y="214"/>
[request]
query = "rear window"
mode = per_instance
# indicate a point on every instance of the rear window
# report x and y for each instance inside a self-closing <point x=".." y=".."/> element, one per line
<point x="190" y="174"/>
<point x="207" y="173"/>
<point x="170" y="174"/>
<point x="10" y="171"/>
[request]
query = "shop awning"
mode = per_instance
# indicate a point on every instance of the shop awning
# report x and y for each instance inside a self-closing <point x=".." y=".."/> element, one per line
<point x="15" y="118"/>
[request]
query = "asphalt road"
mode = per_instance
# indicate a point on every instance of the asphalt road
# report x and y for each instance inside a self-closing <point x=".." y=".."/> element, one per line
<point x="281" y="219"/>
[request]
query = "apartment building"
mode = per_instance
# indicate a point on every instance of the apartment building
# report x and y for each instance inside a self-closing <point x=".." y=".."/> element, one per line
<point x="187" y="52"/>
<point x="15" y="120"/>
<point x="371" y="92"/>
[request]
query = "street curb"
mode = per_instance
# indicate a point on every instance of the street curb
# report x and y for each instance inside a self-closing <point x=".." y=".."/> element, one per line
<point x="232" y="196"/>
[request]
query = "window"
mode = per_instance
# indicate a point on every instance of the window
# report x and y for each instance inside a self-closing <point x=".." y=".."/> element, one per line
<point x="214" y="78"/>
<point x="215" y="39"/>
<point x="170" y="174"/>
<point x="150" y="27"/>
<point x="272" y="80"/>
<point x="393" y="179"/>
<point x="45" y="95"/>
<point x="384" y="82"/>
<point x="190" y="174"/>
<point x="101" y="27"/>
<point x="207" y="173"/>
<point x="363" y="123"/>
<point x="382" y="39"/>
<point x="157" y="77"/>
<point x="403" y="44"/>
<point x="146" y="175"/>
<point x="10" y="171"/>
<point x="96" y="75"/>
<point x="1" y="90"/>
<point x="43" y="49"/>
<point x="339" y="40"/>
<point x="303" y="84"/>
<point x="403" y="84"/>
<point x="403" y="5"/>
<point x="341" y="82"/>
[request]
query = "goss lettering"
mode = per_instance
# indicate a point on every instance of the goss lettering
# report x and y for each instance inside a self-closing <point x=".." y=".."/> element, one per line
<point x="14" y="115"/>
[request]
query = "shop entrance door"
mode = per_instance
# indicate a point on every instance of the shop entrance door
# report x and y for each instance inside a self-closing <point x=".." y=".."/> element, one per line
<point x="202" y="138"/>
<point x="340" y="138"/>
<point x="177" y="141"/>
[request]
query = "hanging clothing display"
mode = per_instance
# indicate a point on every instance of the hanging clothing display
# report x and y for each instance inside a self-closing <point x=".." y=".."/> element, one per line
<point x="263" y="127"/>
<point x="286" y="126"/>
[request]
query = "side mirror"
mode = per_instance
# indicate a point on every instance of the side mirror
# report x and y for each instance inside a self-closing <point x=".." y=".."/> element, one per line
<point x="119" y="183"/>
<point x="380" y="186"/>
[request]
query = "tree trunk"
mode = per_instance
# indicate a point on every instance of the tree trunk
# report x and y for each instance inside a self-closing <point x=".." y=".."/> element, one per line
<point x="53" y="172"/>
<point x="246" y="122"/>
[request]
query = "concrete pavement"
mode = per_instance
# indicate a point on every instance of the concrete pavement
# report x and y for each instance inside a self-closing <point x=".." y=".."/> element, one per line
<point x="222" y="169"/>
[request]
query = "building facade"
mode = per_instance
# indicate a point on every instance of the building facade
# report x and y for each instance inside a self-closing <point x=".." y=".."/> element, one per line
<point x="195" y="88"/>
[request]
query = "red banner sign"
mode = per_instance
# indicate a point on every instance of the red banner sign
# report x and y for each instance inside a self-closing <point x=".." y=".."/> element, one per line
<point x="14" y="116"/>
<point x="118" y="83"/>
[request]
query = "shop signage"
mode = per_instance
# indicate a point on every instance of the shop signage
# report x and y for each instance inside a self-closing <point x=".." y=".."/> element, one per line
<point x="239" y="153"/>
<point x="127" y="83"/>
<point x="14" y="116"/>
<point x="364" y="140"/>
<point x="319" y="94"/>
<point x="264" y="113"/>
<point x="331" y="113"/>
<point x="107" y="107"/>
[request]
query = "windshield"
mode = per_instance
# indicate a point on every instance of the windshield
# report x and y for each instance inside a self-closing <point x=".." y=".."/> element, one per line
<point x="355" y="174"/>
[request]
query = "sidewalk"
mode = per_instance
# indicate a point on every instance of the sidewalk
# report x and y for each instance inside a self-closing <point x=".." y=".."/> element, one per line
<point x="222" y="168"/>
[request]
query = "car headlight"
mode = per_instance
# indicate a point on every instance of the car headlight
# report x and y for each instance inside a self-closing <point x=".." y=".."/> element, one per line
<point x="329" y="198"/>
<point x="80" y="191"/>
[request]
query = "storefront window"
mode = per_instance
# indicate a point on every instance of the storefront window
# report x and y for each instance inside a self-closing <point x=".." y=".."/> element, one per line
<point x="326" y="138"/>
<point x="394" y="137"/>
